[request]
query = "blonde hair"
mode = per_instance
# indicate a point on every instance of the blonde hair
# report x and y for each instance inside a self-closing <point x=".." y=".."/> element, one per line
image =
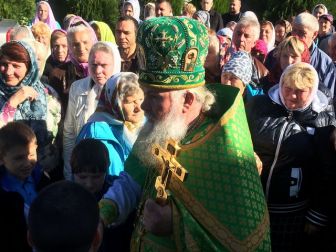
<point x="292" y="45"/>
<point x="189" y="8"/>
<point x="40" y="29"/>
<point x="299" y="76"/>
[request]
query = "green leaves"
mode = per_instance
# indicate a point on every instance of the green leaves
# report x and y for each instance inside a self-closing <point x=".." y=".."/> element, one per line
<point x="22" y="11"/>
<point x="274" y="10"/>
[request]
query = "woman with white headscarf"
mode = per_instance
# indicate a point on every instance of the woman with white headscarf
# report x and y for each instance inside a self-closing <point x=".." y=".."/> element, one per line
<point x="282" y="126"/>
<point x="104" y="62"/>
<point x="132" y="8"/>
<point x="118" y="118"/>
<point x="319" y="10"/>
<point x="267" y="34"/>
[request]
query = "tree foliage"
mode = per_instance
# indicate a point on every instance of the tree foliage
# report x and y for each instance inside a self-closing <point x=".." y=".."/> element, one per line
<point x="100" y="10"/>
<point x="22" y="11"/>
<point x="176" y="4"/>
<point x="222" y="6"/>
<point x="274" y="10"/>
<point x="108" y="10"/>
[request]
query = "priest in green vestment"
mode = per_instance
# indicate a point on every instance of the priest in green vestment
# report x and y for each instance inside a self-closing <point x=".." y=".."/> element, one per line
<point x="194" y="158"/>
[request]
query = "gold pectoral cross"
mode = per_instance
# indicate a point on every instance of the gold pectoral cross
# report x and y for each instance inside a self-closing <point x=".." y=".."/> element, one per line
<point x="170" y="167"/>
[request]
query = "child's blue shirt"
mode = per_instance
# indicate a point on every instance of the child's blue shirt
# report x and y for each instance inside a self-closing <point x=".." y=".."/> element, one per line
<point x="25" y="188"/>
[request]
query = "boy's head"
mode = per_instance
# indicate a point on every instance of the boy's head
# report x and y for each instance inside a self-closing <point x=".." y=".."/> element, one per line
<point x="64" y="217"/>
<point x="18" y="149"/>
<point x="89" y="164"/>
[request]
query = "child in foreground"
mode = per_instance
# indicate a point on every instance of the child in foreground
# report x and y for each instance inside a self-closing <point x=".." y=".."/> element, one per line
<point x="89" y="164"/>
<point x="20" y="180"/>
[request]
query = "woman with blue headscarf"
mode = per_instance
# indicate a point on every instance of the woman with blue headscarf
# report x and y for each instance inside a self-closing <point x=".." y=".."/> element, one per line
<point x="22" y="95"/>
<point x="118" y="118"/>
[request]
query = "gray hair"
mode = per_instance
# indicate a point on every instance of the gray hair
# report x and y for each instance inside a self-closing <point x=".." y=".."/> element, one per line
<point x="307" y="20"/>
<point x="21" y="30"/>
<point x="250" y="22"/>
<point x="128" y="85"/>
<point x="203" y="96"/>
<point x="72" y="30"/>
<point x="100" y="46"/>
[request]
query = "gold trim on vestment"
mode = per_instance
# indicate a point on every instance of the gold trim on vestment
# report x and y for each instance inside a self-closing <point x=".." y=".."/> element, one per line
<point x="198" y="139"/>
<point x="172" y="87"/>
<point x="215" y="227"/>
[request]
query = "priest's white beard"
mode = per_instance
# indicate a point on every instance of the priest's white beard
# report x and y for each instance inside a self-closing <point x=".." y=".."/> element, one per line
<point x="173" y="126"/>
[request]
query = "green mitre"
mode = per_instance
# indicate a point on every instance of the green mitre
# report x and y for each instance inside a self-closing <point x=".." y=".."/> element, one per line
<point x="172" y="51"/>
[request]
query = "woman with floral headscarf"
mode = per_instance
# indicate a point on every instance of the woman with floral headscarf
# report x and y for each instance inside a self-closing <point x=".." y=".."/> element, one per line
<point x="22" y="95"/>
<point x="203" y="17"/>
<point x="118" y="118"/>
<point x="44" y="14"/>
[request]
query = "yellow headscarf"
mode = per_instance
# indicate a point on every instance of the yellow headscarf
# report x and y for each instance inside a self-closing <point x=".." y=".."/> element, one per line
<point x="106" y="33"/>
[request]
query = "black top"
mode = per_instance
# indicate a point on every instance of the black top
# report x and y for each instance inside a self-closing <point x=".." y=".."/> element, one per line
<point x="228" y="17"/>
<point x="216" y="22"/>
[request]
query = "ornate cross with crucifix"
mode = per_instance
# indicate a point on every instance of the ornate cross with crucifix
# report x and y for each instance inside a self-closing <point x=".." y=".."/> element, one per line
<point x="170" y="167"/>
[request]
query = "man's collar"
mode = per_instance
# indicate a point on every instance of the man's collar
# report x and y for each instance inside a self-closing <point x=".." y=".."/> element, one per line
<point x="133" y="55"/>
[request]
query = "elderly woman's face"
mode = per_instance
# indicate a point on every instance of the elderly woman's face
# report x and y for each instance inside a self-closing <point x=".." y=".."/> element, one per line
<point x="295" y="98"/>
<point x="131" y="107"/>
<point x="81" y="44"/>
<point x="230" y="79"/>
<point x="12" y="72"/>
<point x="101" y="67"/>
<point x="60" y="49"/>
<point x="43" y="12"/>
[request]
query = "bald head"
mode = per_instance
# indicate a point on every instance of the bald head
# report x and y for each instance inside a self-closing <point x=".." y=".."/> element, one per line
<point x="235" y="6"/>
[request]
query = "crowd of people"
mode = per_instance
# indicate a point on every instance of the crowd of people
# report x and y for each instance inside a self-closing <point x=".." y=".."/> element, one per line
<point x="192" y="131"/>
